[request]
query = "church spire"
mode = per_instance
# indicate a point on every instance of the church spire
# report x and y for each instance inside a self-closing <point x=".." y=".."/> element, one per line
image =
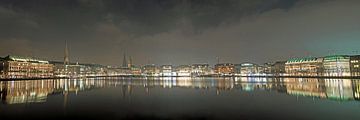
<point x="66" y="57"/>
<point x="124" y="64"/>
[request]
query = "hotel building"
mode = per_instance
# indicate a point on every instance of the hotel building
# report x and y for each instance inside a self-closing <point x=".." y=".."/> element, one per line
<point x="25" y="67"/>
<point x="310" y="66"/>
<point x="337" y="65"/>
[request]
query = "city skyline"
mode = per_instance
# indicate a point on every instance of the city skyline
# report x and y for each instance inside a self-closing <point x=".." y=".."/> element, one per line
<point x="179" y="31"/>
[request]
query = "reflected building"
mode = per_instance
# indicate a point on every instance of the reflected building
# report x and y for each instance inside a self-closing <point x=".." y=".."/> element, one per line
<point x="356" y="89"/>
<point x="339" y="89"/>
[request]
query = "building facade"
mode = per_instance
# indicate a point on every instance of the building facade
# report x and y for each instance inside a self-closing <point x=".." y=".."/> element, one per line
<point x="166" y="71"/>
<point x="224" y="69"/>
<point x="200" y="70"/>
<point x="278" y="68"/>
<point x="25" y="67"/>
<point x="310" y="66"/>
<point x="183" y="70"/>
<point x="249" y="69"/>
<point x="355" y="65"/>
<point x="337" y="65"/>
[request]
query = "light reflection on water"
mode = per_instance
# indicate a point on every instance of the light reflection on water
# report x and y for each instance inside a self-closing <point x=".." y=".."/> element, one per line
<point x="182" y="98"/>
<point x="28" y="91"/>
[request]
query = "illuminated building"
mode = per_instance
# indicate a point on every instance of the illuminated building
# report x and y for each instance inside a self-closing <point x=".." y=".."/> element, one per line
<point x="355" y="65"/>
<point x="248" y="69"/>
<point x="150" y="70"/>
<point x="25" y="67"/>
<point x="337" y="65"/>
<point x="278" y="68"/>
<point x="183" y="70"/>
<point x="237" y="69"/>
<point x="166" y="70"/>
<point x="310" y="66"/>
<point x="200" y="70"/>
<point x="225" y="69"/>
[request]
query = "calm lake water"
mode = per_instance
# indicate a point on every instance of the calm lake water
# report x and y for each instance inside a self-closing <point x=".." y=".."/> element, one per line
<point x="182" y="98"/>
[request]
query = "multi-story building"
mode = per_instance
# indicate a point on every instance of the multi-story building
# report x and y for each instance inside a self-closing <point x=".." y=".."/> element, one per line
<point x="337" y="65"/>
<point x="25" y="67"/>
<point x="310" y="66"/>
<point x="249" y="69"/>
<point x="224" y="69"/>
<point x="200" y="70"/>
<point x="355" y="65"/>
<point x="183" y="70"/>
<point x="150" y="70"/>
<point x="278" y="68"/>
<point x="166" y="70"/>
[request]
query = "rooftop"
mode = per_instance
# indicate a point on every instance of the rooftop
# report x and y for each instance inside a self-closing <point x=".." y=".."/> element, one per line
<point x="303" y="60"/>
<point x="24" y="59"/>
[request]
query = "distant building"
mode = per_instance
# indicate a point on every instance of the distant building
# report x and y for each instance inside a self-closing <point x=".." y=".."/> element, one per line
<point x="278" y="68"/>
<point x="25" y="67"/>
<point x="237" y="69"/>
<point x="183" y="70"/>
<point x="355" y="65"/>
<point x="150" y="70"/>
<point x="224" y="69"/>
<point x="337" y="65"/>
<point x="166" y="70"/>
<point x="310" y="66"/>
<point x="200" y="70"/>
<point x="248" y="69"/>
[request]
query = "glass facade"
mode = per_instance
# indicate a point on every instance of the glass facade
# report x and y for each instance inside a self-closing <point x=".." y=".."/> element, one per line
<point x="337" y="65"/>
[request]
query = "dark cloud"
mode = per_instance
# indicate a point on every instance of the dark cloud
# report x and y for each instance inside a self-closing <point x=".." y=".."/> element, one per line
<point x="177" y="31"/>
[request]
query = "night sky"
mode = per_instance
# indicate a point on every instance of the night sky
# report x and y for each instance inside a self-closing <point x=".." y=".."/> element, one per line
<point x="179" y="31"/>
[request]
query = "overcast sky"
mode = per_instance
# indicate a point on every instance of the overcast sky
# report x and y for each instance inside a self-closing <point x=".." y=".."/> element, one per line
<point x="179" y="31"/>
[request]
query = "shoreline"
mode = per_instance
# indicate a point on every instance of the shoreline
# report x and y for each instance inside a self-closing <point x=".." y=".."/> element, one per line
<point x="216" y="76"/>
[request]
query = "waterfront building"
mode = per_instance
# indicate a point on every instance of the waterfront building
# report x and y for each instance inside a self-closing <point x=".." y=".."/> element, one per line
<point x="150" y="70"/>
<point x="337" y="65"/>
<point x="310" y="66"/>
<point x="355" y="65"/>
<point x="25" y="67"/>
<point x="237" y="69"/>
<point x="1" y="68"/>
<point x="249" y="69"/>
<point x="278" y="68"/>
<point x="267" y="68"/>
<point x="224" y="69"/>
<point x="183" y="70"/>
<point x="166" y="70"/>
<point x="200" y="70"/>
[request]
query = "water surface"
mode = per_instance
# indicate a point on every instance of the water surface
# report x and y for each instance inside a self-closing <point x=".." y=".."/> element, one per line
<point x="182" y="98"/>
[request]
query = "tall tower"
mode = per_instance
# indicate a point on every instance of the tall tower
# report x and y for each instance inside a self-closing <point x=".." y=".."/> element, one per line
<point x="66" y="57"/>
<point x="124" y="64"/>
<point x="130" y="62"/>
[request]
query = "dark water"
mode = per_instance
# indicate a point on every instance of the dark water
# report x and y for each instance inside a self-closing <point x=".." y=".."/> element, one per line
<point x="182" y="98"/>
